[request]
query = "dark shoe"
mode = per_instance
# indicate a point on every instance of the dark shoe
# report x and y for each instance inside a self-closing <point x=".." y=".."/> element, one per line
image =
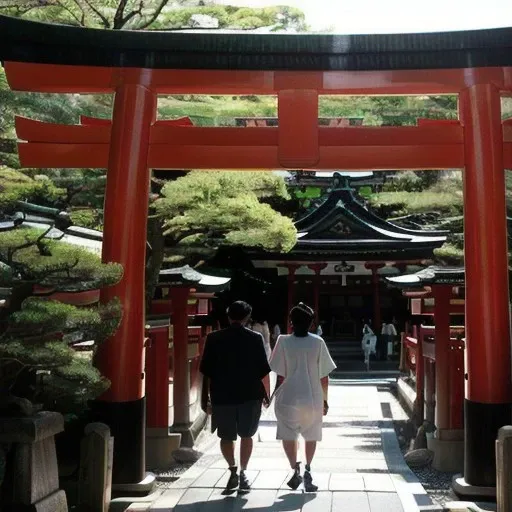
<point x="244" y="482"/>
<point x="233" y="479"/>
<point x="308" y="483"/>
<point x="296" y="479"/>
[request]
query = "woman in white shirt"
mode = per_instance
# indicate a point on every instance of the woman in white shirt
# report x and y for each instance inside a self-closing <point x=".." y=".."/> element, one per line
<point x="303" y="363"/>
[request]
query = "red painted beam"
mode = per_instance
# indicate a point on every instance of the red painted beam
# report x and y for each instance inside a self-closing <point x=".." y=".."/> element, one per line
<point x="182" y="132"/>
<point x="88" y="79"/>
<point x="96" y="121"/>
<point x="167" y="156"/>
<point x="39" y="131"/>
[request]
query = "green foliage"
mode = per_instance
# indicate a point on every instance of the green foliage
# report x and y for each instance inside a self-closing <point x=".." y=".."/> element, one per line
<point x="435" y="201"/>
<point x="55" y="264"/>
<point x="450" y="255"/>
<point x="39" y="333"/>
<point x="86" y="218"/>
<point x="16" y="186"/>
<point x="156" y="14"/>
<point x="202" y="211"/>
<point x="44" y="316"/>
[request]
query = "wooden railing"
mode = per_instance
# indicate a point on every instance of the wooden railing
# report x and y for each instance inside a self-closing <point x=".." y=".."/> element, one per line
<point x="420" y="359"/>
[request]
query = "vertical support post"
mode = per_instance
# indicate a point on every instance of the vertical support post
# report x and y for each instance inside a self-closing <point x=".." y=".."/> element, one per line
<point x="376" y="296"/>
<point x="488" y="361"/>
<point x="430" y="392"/>
<point x="442" y="296"/>
<point x="420" y="381"/>
<point x="157" y="380"/>
<point x="181" y="389"/>
<point x="456" y="384"/>
<point x="317" y="281"/>
<point x="120" y="358"/>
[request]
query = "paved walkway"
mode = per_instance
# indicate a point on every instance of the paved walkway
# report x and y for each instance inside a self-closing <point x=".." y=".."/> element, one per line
<point x="358" y="467"/>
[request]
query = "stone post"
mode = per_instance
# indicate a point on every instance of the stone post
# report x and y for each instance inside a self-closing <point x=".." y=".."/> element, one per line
<point x="96" y="459"/>
<point x="32" y="480"/>
<point x="503" y="469"/>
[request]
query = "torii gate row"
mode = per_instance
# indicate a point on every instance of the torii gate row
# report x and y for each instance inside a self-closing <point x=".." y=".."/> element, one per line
<point x="137" y="67"/>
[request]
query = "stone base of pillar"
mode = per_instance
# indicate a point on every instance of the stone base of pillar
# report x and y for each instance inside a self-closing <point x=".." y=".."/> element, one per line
<point x="144" y="487"/>
<point x="448" y="448"/>
<point x="191" y="431"/>
<point x="471" y="492"/>
<point x="159" y="447"/>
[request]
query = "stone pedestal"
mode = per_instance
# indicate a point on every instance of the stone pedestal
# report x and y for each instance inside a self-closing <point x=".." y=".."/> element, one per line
<point x="32" y="477"/>
<point x="159" y="447"/>
<point x="448" y="448"/>
<point x="96" y="459"/>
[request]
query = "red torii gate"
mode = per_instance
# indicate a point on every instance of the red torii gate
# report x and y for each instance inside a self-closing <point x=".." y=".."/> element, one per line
<point x="136" y="142"/>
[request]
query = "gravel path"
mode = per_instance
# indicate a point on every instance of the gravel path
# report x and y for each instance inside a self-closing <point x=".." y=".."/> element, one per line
<point x="436" y="483"/>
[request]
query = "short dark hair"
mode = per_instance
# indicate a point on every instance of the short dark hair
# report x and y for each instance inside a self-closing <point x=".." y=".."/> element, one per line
<point x="239" y="310"/>
<point x="301" y="316"/>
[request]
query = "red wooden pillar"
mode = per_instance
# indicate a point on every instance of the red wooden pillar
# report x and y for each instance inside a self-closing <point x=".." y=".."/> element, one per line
<point x="420" y="380"/>
<point x="181" y="389"/>
<point x="376" y="295"/>
<point x="157" y="381"/>
<point x="456" y="384"/>
<point x="488" y="361"/>
<point x="317" y="281"/>
<point x="120" y="358"/>
<point x="442" y="295"/>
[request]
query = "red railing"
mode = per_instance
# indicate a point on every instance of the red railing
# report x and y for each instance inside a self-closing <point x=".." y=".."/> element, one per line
<point x="420" y="357"/>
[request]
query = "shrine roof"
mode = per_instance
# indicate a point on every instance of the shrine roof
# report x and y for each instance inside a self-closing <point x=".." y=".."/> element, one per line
<point x="343" y="225"/>
<point x="187" y="276"/>
<point x="28" y="41"/>
<point x="429" y="276"/>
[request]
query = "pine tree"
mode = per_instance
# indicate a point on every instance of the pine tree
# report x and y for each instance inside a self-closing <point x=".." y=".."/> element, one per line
<point x="38" y="362"/>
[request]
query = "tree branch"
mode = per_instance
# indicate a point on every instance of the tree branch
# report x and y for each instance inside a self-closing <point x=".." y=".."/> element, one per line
<point x="118" y="16"/>
<point x="104" y="20"/>
<point x="37" y="241"/>
<point x="154" y="16"/>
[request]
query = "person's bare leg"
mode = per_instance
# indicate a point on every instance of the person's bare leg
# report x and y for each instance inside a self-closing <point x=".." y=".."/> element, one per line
<point x="309" y="486"/>
<point x="310" y="451"/>
<point x="227" y="449"/>
<point x="246" y="445"/>
<point x="290" y="449"/>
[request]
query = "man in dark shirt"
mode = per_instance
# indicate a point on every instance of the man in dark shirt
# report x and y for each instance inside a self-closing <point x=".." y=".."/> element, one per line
<point x="235" y="366"/>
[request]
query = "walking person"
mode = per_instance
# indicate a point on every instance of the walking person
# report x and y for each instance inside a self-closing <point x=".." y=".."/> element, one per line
<point x="388" y="334"/>
<point x="235" y="370"/>
<point x="303" y="362"/>
<point x="261" y="326"/>
<point x="368" y="343"/>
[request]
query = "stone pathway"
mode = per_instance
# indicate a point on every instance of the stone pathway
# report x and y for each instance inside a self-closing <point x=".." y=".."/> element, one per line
<point x="358" y="467"/>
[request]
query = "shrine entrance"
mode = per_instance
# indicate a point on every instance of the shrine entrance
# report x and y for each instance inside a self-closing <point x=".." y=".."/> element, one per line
<point x="136" y="67"/>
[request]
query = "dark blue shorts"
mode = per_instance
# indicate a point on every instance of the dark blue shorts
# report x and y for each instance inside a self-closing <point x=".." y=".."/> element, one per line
<point x="241" y="420"/>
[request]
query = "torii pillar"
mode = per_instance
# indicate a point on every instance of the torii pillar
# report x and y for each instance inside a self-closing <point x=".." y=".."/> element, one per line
<point x="488" y="354"/>
<point x="120" y="358"/>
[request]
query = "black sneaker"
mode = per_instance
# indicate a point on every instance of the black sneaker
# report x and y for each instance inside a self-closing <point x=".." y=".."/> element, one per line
<point x="244" y="482"/>
<point x="296" y="479"/>
<point x="233" y="479"/>
<point x="308" y="483"/>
